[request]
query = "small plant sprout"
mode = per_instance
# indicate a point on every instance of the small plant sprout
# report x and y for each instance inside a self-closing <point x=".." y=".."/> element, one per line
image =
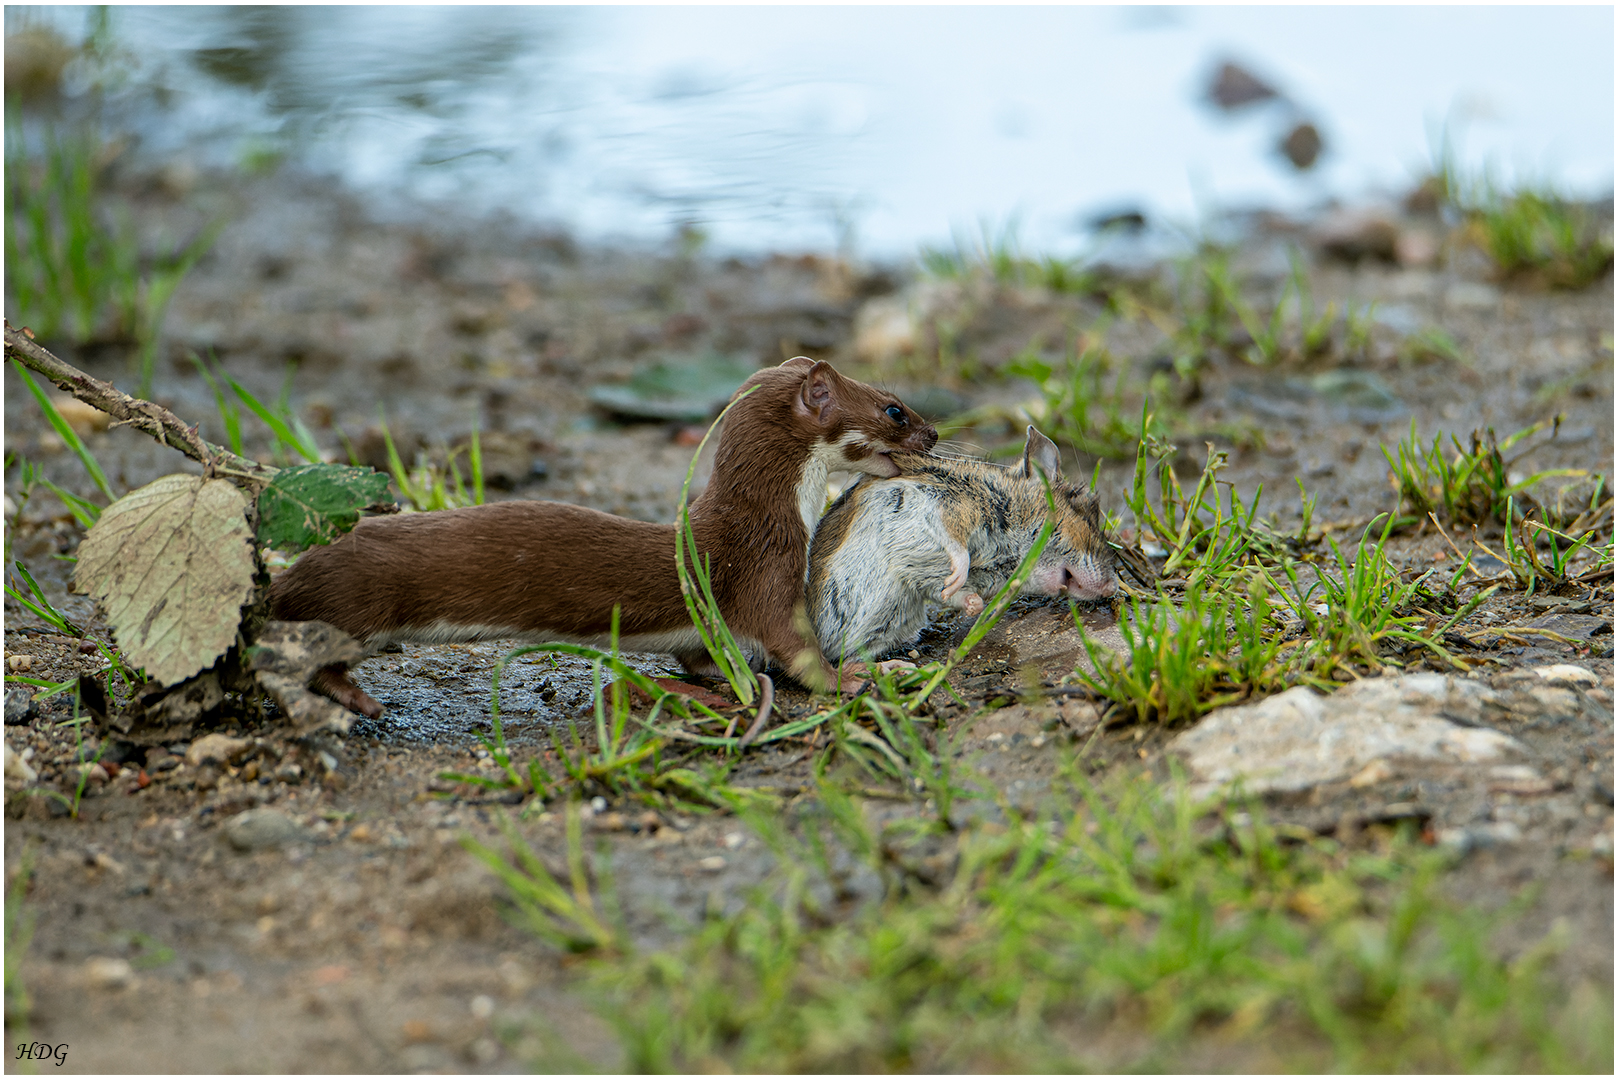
<point x="566" y="916"/>
<point x="430" y="486"/>
<point x="696" y="590"/>
<point x="35" y="602"/>
<point x="292" y="438"/>
<point x="66" y="432"/>
<point x="1077" y="405"/>
<point x="230" y="413"/>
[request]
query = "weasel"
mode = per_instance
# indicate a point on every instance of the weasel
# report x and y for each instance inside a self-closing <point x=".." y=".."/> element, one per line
<point x="548" y="571"/>
<point x="948" y="531"/>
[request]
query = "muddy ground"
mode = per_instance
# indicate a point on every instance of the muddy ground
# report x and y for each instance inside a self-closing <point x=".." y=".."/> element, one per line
<point x="369" y="940"/>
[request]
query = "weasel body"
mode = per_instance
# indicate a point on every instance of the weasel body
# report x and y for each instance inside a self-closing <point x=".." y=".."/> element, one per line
<point x="547" y="571"/>
<point x="948" y="531"/>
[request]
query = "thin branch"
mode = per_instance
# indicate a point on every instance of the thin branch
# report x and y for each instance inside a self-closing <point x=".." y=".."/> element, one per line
<point x="153" y="419"/>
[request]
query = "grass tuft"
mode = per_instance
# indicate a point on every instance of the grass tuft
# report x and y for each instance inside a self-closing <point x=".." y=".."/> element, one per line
<point x="70" y="273"/>
<point x="1471" y="486"/>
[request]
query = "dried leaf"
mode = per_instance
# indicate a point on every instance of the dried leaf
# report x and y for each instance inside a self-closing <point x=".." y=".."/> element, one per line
<point x="315" y="504"/>
<point x="171" y="565"/>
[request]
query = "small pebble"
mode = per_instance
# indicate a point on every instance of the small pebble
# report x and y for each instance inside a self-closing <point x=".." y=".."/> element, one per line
<point x="217" y="749"/>
<point x="1480" y="836"/>
<point x="482" y="1006"/>
<point x="1374" y="772"/>
<point x="20" y="662"/>
<point x="713" y="864"/>
<point x="108" y="973"/>
<point x="255" y="830"/>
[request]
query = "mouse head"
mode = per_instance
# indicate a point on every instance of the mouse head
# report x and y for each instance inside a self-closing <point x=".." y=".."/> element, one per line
<point x="854" y="425"/>
<point x="1077" y="560"/>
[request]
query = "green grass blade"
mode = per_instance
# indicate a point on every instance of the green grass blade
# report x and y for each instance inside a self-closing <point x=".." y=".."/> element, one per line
<point x="65" y="430"/>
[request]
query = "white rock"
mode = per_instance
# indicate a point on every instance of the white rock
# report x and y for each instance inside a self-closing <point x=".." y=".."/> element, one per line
<point x="1567" y="673"/>
<point x="888" y="327"/>
<point x="1300" y="739"/>
<point x="18" y="769"/>
<point x="108" y="973"/>
<point x="883" y="329"/>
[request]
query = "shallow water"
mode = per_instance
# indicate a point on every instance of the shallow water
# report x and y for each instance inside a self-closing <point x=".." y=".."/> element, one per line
<point x="875" y="128"/>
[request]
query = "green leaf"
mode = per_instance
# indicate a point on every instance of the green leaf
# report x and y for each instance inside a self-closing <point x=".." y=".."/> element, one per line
<point x="315" y="504"/>
<point x="171" y="564"/>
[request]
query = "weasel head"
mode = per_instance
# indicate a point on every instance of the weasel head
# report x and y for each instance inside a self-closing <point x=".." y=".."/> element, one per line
<point x="799" y="421"/>
<point x="857" y="426"/>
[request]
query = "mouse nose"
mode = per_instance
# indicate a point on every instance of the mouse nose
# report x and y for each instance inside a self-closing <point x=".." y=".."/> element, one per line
<point x="1087" y="582"/>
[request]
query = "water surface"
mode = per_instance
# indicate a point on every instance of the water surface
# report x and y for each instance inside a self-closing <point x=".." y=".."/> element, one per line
<point x="875" y="128"/>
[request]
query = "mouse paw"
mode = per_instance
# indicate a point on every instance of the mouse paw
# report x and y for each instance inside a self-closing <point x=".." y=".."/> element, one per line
<point x="960" y="565"/>
<point x="857" y="675"/>
<point x="972" y="603"/>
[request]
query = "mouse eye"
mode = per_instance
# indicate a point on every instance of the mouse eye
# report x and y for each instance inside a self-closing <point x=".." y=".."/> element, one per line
<point x="896" y="414"/>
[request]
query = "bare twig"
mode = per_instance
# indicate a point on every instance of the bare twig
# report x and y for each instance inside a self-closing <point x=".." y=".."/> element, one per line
<point x="153" y="419"/>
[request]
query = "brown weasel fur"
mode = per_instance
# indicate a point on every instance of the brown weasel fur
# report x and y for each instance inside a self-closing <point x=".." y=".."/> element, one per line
<point x="551" y="571"/>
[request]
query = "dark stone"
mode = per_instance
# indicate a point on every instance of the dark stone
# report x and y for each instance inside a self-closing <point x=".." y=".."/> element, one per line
<point x="1234" y="87"/>
<point x="19" y="706"/>
<point x="1302" y="146"/>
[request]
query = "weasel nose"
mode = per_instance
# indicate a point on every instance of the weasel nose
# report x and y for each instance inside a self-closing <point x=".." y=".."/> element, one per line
<point x="930" y="436"/>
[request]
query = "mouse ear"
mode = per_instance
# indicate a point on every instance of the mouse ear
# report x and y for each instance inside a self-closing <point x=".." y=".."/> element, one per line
<point x="1041" y="452"/>
<point x="816" y="392"/>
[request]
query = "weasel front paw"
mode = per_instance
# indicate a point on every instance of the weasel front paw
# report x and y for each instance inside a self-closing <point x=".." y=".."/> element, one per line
<point x="334" y="682"/>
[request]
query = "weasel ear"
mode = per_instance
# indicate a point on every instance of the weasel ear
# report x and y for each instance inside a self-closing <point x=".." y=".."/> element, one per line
<point x="1041" y="452"/>
<point x="816" y="393"/>
<point x="803" y="363"/>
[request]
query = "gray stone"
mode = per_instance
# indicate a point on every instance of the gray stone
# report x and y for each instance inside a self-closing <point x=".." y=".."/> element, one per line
<point x="255" y="830"/>
<point x="1300" y="739"/>
<point x="1474" y="837"/>
<point x="19" y="705"/>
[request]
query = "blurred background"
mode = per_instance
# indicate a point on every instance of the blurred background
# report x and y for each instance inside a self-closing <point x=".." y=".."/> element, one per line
<point x="866" y="130"/>
<point x="372" y="233"/>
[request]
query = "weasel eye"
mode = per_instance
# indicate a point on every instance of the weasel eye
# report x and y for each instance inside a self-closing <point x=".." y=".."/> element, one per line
<point x="896" y="414"/>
